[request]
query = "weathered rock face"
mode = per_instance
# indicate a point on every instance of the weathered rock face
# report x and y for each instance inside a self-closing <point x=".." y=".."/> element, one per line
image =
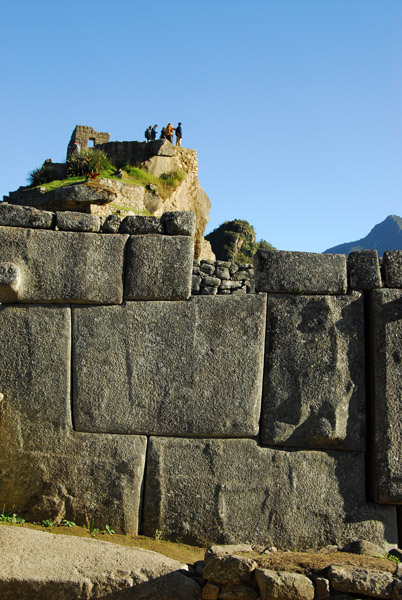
<point x="46" y="467"/>
<point x="104" y="196"/>
<point x="314" y="390"/>
<point x="63" y="266"/>
<point x="83" y="387"/>
<point x="386" y="308"/>
<point x="228" y="569"/>
<point x="300" y="498"/>
<point x="53" y="566"/>
<point x="361" y="581"/>
<point x="188" y="346"/>
<point x="172" y="256"/>
<point x="300" y="272"/>
<point x="189" y="195"/>
<point x="291" y="586"/>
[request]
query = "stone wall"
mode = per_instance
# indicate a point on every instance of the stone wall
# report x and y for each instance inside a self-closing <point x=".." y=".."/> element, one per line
<point x="221" y="277"/>
<point x="84" y="135"/>
<point x="270" y="417"/>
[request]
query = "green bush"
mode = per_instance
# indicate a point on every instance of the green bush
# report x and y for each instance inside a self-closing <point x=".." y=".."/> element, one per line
<point x="43" y="174"/>
<point x="172" y="179"/>
<point x="235" y="241"/>
<point x="87" y="162"/>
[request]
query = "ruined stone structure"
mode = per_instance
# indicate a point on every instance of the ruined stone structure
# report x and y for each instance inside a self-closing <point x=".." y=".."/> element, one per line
<point x="157" y="158"/>
<point x="270" y="417"/>
<point x="86" y="137"/>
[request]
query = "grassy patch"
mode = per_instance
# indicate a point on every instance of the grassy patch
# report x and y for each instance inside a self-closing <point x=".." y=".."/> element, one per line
<point x="116" y="208"/>
<point x="59" y="183"/>
<point x="165" y="184"/>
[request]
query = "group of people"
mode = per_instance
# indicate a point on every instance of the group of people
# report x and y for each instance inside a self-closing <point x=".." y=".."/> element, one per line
<point x="151" y="133"/>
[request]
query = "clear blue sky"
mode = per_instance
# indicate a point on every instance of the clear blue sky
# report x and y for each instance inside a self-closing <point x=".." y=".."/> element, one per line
<point x="294" y="106"/>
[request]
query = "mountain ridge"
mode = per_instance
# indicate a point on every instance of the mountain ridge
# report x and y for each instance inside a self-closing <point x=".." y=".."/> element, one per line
<point x="386" y="235"/>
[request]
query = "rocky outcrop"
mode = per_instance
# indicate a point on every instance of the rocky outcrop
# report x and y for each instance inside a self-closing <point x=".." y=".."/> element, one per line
<point x="37" y="565"/>
<point x="188" y="196"/>
<point x="235" y="241"/>
<point x="108" y="196"/>
<point x="239" y="577"/>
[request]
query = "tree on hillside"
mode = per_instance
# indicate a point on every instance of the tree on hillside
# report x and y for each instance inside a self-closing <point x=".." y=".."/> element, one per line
<point x="235" y="241"/>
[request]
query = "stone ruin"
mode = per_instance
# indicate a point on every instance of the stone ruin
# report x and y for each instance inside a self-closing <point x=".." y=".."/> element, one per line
<point x="86" y="137"/>
<point x="270" y="417"/>
<point x="157" y="158"/>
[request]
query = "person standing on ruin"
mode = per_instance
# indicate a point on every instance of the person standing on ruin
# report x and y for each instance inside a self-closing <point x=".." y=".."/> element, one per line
<point x="154" y="133"/>
<point x="179" y="135"/>
<point x="169" y="129"/>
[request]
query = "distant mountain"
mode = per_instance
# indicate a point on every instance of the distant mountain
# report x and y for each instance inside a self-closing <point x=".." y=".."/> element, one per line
<point x="384" y="236"/>
<point x="235" y="241"/>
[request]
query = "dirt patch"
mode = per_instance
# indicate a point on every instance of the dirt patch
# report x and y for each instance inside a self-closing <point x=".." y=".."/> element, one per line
<point x="307" y="563"/>
<point x="181" y="552"/>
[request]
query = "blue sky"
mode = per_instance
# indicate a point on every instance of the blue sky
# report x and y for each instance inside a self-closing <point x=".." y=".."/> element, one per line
<point x="293" y="106"/>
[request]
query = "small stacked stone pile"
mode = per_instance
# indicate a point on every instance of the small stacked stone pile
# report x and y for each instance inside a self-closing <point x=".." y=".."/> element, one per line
<point x="222" y="277"/>
<point x="227" y="576"/>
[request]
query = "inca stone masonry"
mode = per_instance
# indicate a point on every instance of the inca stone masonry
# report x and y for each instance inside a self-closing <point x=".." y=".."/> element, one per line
<point x="271" y="417"/>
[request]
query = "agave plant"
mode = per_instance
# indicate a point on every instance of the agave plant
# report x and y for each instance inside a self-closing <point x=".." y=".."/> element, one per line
<point x="86" y="162"/>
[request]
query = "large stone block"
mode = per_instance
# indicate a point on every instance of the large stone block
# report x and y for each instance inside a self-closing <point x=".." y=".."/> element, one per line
<point x="35" y="412"/>
<point x="85" y="477"/>
<point x="141" y="224"/>
<point x="47" y="470"/>
<point x="176" y="368"/>
<point x="159" y="267"/>
<point x="38" y="565"/>
<point x="314" y="379"/>
<point x="35" y="349"/>
<point x="179" y="223"/>
<point x="300" y="272"/>
<point x="77" y="221"/>
<point x="364" y="270"/>
<point x="386" y="325"/>
<point x="25" y="216"/>
<point x="392" y="262"/>
<point x="281" y="584"/>
<point x="227" y="491"/>
<point x="61" y="267"/>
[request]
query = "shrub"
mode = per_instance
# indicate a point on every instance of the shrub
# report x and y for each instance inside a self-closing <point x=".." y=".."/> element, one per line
<point x="168" y="182"/>
<point x="235" y="241"/>
<point x="43" y="174"/>
<point x="173" y="178"/>
<point x="11" y="518"/>
<point x="87" y="162"/>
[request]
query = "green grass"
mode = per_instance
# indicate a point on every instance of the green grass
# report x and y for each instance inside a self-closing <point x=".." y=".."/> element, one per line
<point x="11" y="518"/>
<point x="116" y="208"/>
<point x="165" y="184"/>
<point x="59" y="183"/>
<point x="392" y="558"/>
